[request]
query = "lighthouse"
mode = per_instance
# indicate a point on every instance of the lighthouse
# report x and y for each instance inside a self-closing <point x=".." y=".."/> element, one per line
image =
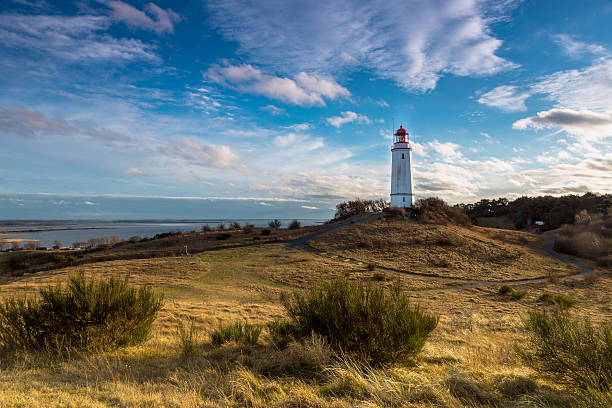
<point x="401" y="170"/>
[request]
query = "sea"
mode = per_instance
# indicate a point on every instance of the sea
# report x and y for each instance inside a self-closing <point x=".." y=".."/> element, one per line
<point x="67" y="231"/>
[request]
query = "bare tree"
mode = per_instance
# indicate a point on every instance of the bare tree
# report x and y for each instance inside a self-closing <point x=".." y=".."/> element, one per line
<point x="57" y="243"/>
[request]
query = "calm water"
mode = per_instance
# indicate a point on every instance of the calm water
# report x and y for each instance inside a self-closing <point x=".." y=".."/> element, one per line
<point x="68" y="232"/>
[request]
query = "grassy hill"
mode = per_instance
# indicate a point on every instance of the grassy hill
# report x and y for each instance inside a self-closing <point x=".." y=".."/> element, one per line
<point x="469" y="360"/>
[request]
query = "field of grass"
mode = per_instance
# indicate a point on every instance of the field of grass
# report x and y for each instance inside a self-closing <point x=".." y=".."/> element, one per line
<point x="469" y="360"/>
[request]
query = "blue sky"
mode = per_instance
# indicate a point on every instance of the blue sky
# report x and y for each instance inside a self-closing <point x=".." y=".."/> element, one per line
<point x="202" y="109"/>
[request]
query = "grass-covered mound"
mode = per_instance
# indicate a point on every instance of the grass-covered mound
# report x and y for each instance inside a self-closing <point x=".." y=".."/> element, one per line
<point x="84" y="314"/>
<point x="369" y="321"/>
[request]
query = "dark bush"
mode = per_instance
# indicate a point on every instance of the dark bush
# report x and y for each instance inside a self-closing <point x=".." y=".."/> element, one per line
<point x="379" y="325"/>
<point x="433" y="210"/>
<point x="505" y="289"/>
<point x="295" y="224"/>
<point x="223" y="236"/>
<point x="569" y="350"/>
<point x="562" y="301"/>
<point x="265" y="232"/>
<point x="274" y="224"/>
<point x="235" y="225"/>
<point x="83" y="314"/>
<point x="356" y="207"/>
<point x="248" y="228"/>
<point x="206" y="228"/>
<point x="244" y="333"/>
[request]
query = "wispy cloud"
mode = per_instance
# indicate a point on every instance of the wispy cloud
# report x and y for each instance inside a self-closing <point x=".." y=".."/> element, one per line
<point x="152" y="18"/>
<point x="78" y="38"/>
<point x="506" y="98"/>
<point x="586" y="125"/>
<point x="348" y="117"/>
<point x="303" y="89"/>
<point x="575" y="48"/>
<point x="411" y="42"/>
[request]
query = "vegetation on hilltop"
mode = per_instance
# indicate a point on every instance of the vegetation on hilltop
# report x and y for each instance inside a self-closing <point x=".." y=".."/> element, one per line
<point x="553" y="211"/>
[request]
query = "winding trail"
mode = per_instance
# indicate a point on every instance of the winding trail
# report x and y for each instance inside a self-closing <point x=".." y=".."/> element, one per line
<point x="462" y="283"/>
<point x="302" y="243"/>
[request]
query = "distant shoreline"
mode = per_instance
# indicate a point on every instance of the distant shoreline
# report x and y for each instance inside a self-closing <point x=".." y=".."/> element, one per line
<point x="34" y="231"/>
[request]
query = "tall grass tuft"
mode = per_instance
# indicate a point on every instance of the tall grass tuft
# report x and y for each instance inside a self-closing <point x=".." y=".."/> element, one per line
<point x="242" y="333"/>
<point x="570" y="350"/>
<point x="84" y="314"/>
<point x="187" y="335"/>
<point x="369" y="321"/>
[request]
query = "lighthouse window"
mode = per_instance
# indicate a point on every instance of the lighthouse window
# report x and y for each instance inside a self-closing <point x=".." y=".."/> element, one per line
<point x="404" y="199"/>
<point x="402" y="155"/>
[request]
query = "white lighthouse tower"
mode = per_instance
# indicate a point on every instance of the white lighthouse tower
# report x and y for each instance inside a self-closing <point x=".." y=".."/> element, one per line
<point x="401" y="170"/>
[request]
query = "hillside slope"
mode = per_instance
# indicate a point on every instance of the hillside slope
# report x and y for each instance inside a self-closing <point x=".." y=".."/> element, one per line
<point x="451" y="251"/>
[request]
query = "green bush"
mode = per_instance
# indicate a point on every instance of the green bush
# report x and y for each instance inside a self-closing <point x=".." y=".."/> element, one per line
<point x="569" y="350"/>
<point x="379" y="325"/>
<point x="187" y="335"/>
<point x="243" y="333"/>
<point x="505" y="289"/>
<point x="295" y="224"/>
<point x="265" y="232"/>
<point x="85" y="314"/>
<point x="223" y="236"/>
<point x="562" y="301"/>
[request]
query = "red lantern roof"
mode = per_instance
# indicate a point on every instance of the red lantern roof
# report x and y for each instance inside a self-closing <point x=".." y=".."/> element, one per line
<point x="401" y="131"/>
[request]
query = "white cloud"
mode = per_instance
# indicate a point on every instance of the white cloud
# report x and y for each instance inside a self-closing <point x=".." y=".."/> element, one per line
<point x="348" y="117"/>
<point x="585" y="125"/>
<point x="304" y="89"/>
<point x="585" y="89"/>
<point x="70" y="38"/>
<point x="132" y="171"/>
<point x="207" y="155"/>
<point x="89" y="203"/>
<point x="262" y="203"/>
<point x="409" y="41"/>
<point x="273" y="110"/>
<point x="505" y="98"/>
<point x="574" y="48"/>
<point x="448" y="151"/>
<point x="310" y="207"/>
<point x="162" y="21"/>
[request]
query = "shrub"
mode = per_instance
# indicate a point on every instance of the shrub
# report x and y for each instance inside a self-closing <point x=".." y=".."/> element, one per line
<point x="433" y="210"/>
<point x="562" y="301"/>
<point x="372" y="267"/>
<point x="295" y="224"/>
<point x="206" y="228"/>
<point x="265" y="232"/>
<point x="378" y="325"/>
<point x="518" y="294"/>
<point x="86" y="314"/>
<point x="274" y="223"/>
<point x="378" y="276"/>
<point x="243" y="333"/>
<point x="355" y="207"/>
<point x="187" y="335"/>
<point x="223" y="236"/>
<point x="248" y="228"/>
<point x="569" y="350"/>
<point x="510" y="291"/>
<point x="583" y="244"/>
<point x="235" y="225"/>
<point x="221" y="227"/>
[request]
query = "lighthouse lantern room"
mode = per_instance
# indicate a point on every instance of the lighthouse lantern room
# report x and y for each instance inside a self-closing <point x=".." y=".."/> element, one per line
<point x="401" y="170"/>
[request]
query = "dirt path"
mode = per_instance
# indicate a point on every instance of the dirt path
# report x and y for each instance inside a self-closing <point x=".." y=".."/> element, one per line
<point x="302" y="243"/>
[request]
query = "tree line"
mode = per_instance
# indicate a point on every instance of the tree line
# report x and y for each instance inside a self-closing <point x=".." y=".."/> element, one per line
<point x="552" y="211"/>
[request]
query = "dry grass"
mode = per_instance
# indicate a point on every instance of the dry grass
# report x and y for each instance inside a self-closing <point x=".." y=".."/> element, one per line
<point x="467" y="362"/>
<point x="443" y="250"/>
